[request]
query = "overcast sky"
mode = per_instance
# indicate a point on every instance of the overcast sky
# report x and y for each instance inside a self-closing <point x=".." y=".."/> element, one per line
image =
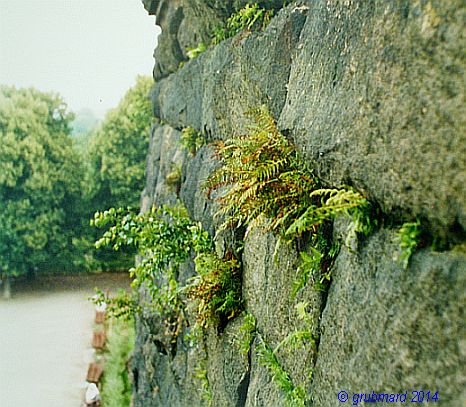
<point x="89" y="51"/>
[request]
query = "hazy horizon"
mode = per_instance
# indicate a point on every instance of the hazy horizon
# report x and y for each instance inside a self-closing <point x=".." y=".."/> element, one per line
<point x="88" y="51"/>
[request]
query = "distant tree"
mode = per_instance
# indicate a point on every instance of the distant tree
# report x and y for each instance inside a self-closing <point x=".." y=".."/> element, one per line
<point x="84" y="122"/>
<point x="82" y="128"/>
<point x="40" y="182"/>
<point x="115" y="157"/>
<point x="118" y="150"/>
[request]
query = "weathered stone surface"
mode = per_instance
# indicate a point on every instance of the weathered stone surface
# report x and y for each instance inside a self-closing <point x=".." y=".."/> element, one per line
<point x="176" y="380"/>
<point x="187" y="23"/>
<point x="162" y="379"/>
<point x="376" y="99"/>
<point x="392" y="330"/>
<point x="372" y="94"/>
<point x="269" y="272"/>
<point x="212" y="92"/>
<point x="193" y="192"/>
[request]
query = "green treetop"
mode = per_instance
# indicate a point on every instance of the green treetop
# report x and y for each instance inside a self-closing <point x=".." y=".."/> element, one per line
<point x="118" y="150"/>
<point x="39" y="181"/>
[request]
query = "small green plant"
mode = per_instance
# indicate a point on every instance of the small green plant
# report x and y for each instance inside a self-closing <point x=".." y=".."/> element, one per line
<point x="310" y="264"/>
<point x="216" y="290"/>
<point x="123" y="305"/>
<point x="294" y="395"/>
<point x="297" y="339"/>
<point x="173" y="178"/>
<point x="247" y="333"/>
<point x="196" y="51"/>
<point x="317" y="262"/>
<point x="200" y="373"/>
<point x="409" y="237"/>
<point x="192" y="140"/>
<point x="219" y="34"/>
<point x="116" y="386"/>
<point x="329" y="204"/>
<point x="250" y="17"/>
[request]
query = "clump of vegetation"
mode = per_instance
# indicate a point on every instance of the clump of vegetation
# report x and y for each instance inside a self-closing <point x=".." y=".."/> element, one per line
<point x="192" y="140"/>
<point x="173" y="178"/>
<point x="409" y="238"/>
<point x="116" y="386"/>
<point x="266" y="177"/>
<point x="216" y="290"/>
<point x="40" y="185"/>
<point x="195" y="52"/>
<point x="165" y="238"/>
<point x="250" y="17"/>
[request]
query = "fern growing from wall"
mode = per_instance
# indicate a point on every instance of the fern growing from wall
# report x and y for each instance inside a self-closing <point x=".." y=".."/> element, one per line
<point x="265" y="176"/>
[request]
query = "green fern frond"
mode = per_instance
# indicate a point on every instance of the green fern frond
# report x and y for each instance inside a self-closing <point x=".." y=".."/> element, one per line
<point x="266" y="178"/>
<point x="331" y="203"/>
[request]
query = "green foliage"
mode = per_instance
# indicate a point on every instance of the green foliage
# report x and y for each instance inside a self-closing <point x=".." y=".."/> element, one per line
<point x="165" y="238"/>
<point x="219" y="34"/>
<point x="195" y="52"/>
<point x="363" y="222"/>
<point x="216" y="289"/>
<point x="250" y="17"/>
<point x="297" y="339"/>
<point x="317" y="263"/>
<point x="174" y="177"/>
<point x="310" y="264"/>
<point x="266" y="177"/>
<point x="118" y="149"/>
<point x="115" y="158"/>
<point x="121" y="306"/>
<point x="294" y="395"/>
<point x="200" y="373"/>
<point x="328" y="204"/>
<point x="40" y="187"/>
<point x="247" y="333"/>
<point x="192" y="140"/>
<point x="116" y="387"/>
<point x="409" y="237"/>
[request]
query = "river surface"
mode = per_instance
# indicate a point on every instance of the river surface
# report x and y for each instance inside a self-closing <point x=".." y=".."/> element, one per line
<point x="45" y="339"/>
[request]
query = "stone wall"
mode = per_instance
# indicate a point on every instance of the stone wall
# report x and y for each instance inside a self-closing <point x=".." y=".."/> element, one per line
<point x="372" y="95"/>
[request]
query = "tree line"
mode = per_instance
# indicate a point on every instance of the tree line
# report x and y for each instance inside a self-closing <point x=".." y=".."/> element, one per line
<point x="51" y="183"/>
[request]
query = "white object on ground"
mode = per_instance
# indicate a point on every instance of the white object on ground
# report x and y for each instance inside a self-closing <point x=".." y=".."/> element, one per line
<point x="92" y="393"/>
